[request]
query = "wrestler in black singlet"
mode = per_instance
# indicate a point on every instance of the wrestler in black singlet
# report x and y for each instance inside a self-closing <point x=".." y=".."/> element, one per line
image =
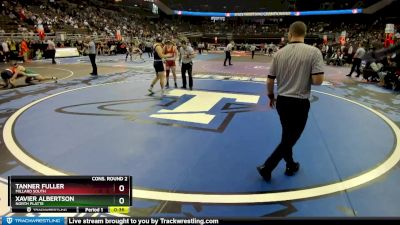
<point x="158" y="63"/>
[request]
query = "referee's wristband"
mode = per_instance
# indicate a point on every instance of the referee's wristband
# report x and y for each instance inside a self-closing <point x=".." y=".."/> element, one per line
<point x="271" y="96"/>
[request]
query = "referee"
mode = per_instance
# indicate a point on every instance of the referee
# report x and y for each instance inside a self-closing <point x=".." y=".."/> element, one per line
<point x="360" y="53"/>
<point x="51" y="49"/>
<point x="92" y="54"/>
<point x="228" y="51"/>
<point x="296" y="67"/>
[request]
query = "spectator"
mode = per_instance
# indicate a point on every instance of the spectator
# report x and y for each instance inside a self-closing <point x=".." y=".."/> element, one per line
<point x="51" y="49"/>
<point x="6" y="50"/>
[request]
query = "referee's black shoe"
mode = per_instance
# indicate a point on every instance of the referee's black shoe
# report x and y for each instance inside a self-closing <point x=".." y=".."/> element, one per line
<point x="292" y="169"/>
<point x="266" y="174"/>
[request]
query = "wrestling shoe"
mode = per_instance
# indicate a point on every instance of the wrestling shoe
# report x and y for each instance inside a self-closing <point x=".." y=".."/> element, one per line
<point x="266" y="175"/>
<point x="292" y="169"/>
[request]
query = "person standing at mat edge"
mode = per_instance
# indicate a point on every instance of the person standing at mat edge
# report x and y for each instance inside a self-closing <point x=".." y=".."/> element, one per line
<point x="51" y="49"/>
<point x="92" y="55"/>
<point x="295" y="67"/>
<point x="228" y="51"/>
<point x="253" y="50"/>
<point x="360" y="53"/>
<point x="186" y="54"/>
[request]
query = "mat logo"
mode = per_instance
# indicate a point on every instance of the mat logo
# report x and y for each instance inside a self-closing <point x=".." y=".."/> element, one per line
<point x="197" y="109"/>
<point x="200" y="109"/>
<point x="9" y="220"/>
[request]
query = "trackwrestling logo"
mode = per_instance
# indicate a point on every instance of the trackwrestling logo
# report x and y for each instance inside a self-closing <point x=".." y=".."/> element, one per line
<point x="28" y="220"/>
<point x="202" y="110"/>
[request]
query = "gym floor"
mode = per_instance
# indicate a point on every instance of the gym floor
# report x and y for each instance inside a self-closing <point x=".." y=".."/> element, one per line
<point x="194" y="153"/>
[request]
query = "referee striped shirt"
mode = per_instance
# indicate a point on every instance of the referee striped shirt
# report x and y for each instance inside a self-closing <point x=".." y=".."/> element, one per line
<point x="293" y="66"/>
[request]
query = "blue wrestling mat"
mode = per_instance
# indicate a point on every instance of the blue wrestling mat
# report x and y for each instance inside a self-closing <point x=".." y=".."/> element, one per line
<point x="194" y="153"/>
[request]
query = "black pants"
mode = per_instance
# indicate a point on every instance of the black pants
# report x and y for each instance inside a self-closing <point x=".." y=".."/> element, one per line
<point x="7" y="56"/>
<point x="356" y="66"/>
<point x="14" y="55"/>
<point x="52" y="54"/>
<point x="252" y="54"/>
<point x="293" y="113"/>
<point x="93" y="62"/>
<point x="349" y="58"/>
<point x="149" y="51"/>
<point x="227" y="56"/>
<point x="187" y="67"/>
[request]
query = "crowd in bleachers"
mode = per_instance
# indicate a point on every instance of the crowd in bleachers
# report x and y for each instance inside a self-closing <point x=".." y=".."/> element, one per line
<point x="384" y="71"/>
<point x="84" y="18"/>
<point x="72" y="17"/>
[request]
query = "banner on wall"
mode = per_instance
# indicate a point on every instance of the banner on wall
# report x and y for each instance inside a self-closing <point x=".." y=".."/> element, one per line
<point x="118" y="35"/>
<point x="389" y="29"/>
<point x="40" y="31"/>
<point x="389" y="35"/>
<point x="342" y="38"/>
<point x="389" y="40"/>
<point x="217" y="18"/>
<point x="66" y="52"/>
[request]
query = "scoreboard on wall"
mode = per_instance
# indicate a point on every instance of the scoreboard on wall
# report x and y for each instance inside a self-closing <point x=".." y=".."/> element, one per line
<point x="91" y="194"/>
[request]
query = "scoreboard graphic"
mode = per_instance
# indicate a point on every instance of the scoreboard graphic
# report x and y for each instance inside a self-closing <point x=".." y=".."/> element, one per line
<point x="61" y="194"/>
